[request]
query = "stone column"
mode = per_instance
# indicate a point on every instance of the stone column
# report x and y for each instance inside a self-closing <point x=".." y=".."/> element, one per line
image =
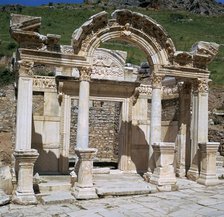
<point x="202" y="110"/>
<point x="208" y="153"/>
<point x="65" y="131"/>
<point x="83" y="114"/>
<point x="183" y="137"/>
<point x="84" y="189"/>
<point x="125" y="140"/>
<point x="155" y="121"/>
<point x="164" y="175"/>
<point x="24" y="155"/>
<point x="199" y="124"/>
<point x="193" y="172"/>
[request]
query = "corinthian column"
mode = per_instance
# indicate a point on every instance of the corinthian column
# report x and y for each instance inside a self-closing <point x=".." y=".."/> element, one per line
<point x="25" y="156"/>
<point x="83" y="114"/>
<point x="155" y="121"/>
<point x="84" y="189"/>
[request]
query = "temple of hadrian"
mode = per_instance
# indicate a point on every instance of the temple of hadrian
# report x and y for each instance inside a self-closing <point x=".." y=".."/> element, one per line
<point x="83" y="102"/>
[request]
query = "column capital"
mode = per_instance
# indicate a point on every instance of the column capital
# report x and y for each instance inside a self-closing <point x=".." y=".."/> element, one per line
<point x="85" y="73"/>
<point x="156" y="81"/>
<point x="200" y="85"/>
<point x="25" y="68"/>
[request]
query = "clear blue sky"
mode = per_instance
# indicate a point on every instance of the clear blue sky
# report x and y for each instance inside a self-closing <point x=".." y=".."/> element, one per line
<point x="37" y="2"/>
<point x="40" y="2"/>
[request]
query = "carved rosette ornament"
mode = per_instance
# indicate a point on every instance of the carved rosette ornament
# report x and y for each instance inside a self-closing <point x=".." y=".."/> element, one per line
<point x="25" y="68"/>
<point x="156" y="81"/>
<point x="85" y="73"/>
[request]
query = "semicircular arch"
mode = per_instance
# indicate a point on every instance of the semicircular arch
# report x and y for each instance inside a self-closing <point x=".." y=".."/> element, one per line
<point x="129" y="26"/>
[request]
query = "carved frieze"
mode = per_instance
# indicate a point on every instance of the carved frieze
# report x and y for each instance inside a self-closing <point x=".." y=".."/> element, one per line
<point x="44" y="82"/>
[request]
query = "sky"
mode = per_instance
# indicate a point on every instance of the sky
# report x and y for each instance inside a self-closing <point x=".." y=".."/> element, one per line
<point x="37" y="2"/>
<point x="40" y="2"/>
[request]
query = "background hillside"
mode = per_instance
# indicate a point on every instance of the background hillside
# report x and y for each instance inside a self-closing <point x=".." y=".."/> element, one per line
<point x="185" y="29"/>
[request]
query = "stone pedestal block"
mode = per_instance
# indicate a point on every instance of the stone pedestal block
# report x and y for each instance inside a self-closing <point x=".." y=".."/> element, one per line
<point x="208" y="163"/>
<point x="164" y="174"/>
<point x="84" y="188"/>
<point x="24" y="193"/>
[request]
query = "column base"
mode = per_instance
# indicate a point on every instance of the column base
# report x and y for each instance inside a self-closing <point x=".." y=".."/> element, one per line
<point x="208" y="163"/>
<point x="193" y="173"/>
<point x="163" y="176"/>
<point x="206" y="179"/>
<point x="85" y="193"/>
<point x="181" y="172"/>
<point x="24" y="198"/>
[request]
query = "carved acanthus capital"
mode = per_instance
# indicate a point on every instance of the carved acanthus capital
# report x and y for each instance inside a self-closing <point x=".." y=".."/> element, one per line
<point x="85" y="73"/>
<point x="200" y="85"/>
<point x="156" y="81"/>
<point x="25" y="68"/>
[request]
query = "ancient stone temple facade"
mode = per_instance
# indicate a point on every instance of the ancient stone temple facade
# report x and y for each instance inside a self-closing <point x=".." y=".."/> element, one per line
<point x="52" y="77"/>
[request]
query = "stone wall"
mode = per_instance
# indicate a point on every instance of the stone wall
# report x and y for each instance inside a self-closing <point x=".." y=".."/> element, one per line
<point x="7" y="136"/>
<point x="104" y="128"/>
<point x="7" y="123"/>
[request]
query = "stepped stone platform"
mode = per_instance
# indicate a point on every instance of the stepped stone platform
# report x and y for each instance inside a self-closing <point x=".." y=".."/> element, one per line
<point x="57" y="189"/>
<point x="120" y="184"/>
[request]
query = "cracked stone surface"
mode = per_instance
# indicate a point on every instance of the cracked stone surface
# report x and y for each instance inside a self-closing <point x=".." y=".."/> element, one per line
<point x="191" y="200"/>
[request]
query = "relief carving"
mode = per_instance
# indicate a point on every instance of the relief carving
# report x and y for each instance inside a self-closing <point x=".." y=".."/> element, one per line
<point x="44" y="82"/>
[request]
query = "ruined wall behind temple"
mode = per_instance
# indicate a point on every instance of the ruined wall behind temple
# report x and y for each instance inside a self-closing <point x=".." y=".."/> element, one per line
<point x="104" y="120"/>
<point x="7" y="123"/>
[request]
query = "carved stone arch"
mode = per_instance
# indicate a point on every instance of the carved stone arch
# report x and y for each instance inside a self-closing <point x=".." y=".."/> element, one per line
<point x="129" y="26"/>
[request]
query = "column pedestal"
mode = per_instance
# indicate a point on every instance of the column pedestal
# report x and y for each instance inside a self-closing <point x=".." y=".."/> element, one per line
<point x="84" y="188"/>
<point x="164" y="175"/>
<point x="24" y="193"/>
<point x="208" y="163"/>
